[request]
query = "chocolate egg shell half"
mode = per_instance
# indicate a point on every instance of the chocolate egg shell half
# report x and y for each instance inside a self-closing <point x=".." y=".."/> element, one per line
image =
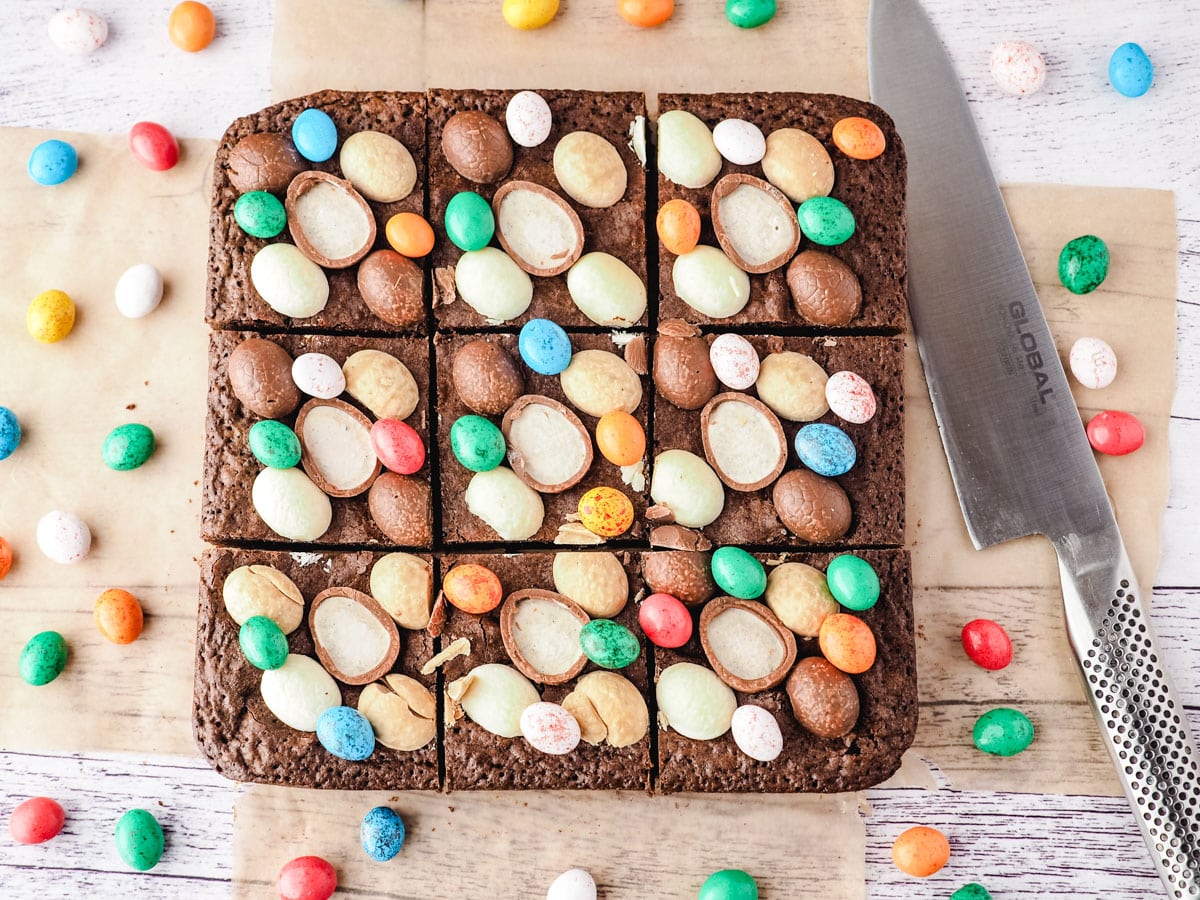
<point x="755" y="223"/>
<point x="329" y="220"/>
<point x="540" y="630"/>
<point x="355" y="639"/>
<point x="746" y="644"/>
<point x="743" y="441"/>
<point x="537" y="228"/>
<point x="335" y="446"/>
<point x="266" y="161"/>
<point x="548" y="447"/>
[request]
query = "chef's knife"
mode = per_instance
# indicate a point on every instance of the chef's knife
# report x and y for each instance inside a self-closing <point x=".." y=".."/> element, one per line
<point x="1017" y="450"/>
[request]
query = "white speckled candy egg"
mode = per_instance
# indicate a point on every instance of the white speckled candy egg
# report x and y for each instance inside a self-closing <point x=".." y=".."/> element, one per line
<point x="850" y="397"/>
<point x="63" y="537"/>
<point x="573" y="884"/>
<point x="756" y="732"/>
<point x="528" y="118"/>
<point x="735" y="361"/>
<point x="318" y="375"/>
<point x="550" y="728"/>
<point x="1018" y="67"/>
<point x="739" y="141"/>
<point x="1093" y="362"/>
<point x="139" y="291"/>
<point x="77" y="31"/>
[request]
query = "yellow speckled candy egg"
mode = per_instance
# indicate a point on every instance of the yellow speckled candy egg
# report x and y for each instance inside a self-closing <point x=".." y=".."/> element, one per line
<point x="529" y="14"/>
<point x="51" y="316"/>
<point x="605" y="511"/>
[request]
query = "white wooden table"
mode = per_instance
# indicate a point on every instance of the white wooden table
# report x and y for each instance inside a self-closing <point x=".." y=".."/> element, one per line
<point x="1076" y="131"/>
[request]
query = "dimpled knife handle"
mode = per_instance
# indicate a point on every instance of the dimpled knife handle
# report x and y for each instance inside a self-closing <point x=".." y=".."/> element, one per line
<point x="1142" y="722"/>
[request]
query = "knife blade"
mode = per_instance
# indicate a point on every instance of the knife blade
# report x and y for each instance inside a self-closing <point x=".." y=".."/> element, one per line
<point x="1016" y="447"/>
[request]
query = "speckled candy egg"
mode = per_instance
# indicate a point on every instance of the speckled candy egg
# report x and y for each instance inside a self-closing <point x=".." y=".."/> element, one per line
<point x="729" y="884"/>
<point x="847" y="642"/>
<point x="274" y="444"/>
<point x="118" y="616"/>
<point x="346" y="733"/>
<point x="306" y="878"/>
<point x="43" y="658"/>
<point x="477" y="443"/>
<point x="128" y="446"/>
<point x="36" y="820"/>
<point x="50" y="317"/>
<point x="853" y="582"/>
<point x="1083" y="264"/>
<point x="528" y="118"/>
<point x="850" y="397"/>
<point x="544" y="346"/>
<point x="1018" y="67"/>
<point x="1093" y="362"/>
<point x="609" y="644"/>
<point x="315" y="135"/>
<point x="139" y="839"/>
<point x="738" y="573"/>
<point x="620" y="438"/>
<point x="263" y="643"/>
<point x="52" y="162"/>
<point x="63" y="537"/>
<point x="1130" y="70"/>
<point x="381" y="833"/>
<point x="318" y="375"/>
<point x="139" y="291"/>
<point x="735" y="361"/>
<point x="739" y="141"/>
<point x="10" y="432"/>
<point x="573" y="884"/>
<point x="606" y="511"/>
<point x="153" y="146"/>
<point x="1115" y="432"/>
<point x="825" y="449"/>
<point x="757" y="733"/>
<point x="77" y="31"/>
<point x="398" y="446"/>
<point x="826" y="221"/>
<point x="920" y="851"/>
<point x="987" y="644"/>
<point x="260" y="214"/>
<point x="472" y="588"/>
<point x="549" y="728"/>
<point x="665" y="621"/>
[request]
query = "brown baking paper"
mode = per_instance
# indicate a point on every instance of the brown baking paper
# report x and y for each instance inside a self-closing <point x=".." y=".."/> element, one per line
<point x="79" y="237"/>
<point x="515" y="844"/>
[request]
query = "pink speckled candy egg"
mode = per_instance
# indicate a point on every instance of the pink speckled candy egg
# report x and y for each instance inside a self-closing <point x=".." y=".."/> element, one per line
<point x="850" y="397"/>
<point x="318" y="375"/>
<point x="756" y="732"/>
<point x="1018" y="67"/>
<point x="735" y="361"/>
<point x="550" y="728"/>
<point x="1093" y="362"/>
<point x="528" y="118"/>
<point x="77" y="31"/>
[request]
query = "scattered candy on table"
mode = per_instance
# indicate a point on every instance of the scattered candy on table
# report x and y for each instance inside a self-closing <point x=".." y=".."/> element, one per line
<point x="739" y="141"/>
<point x="1003" y="732"/>
<point x="987" y="644"/>
<point x="749" y="13"/>
<point x="609" y="644"/>
<point x="10" y="432"/>
<point x="43" y="658"/>
<point x="139" y="291"/>
<point x="606" y="511"/>
<point x="738" y="573"/>
<point x="825" y="449"/>
<point x="1115" y="433"/>
<point x="1018" y="67"/>
<point x="921" y="851"/>
<point x="756" y="733"/>
<point x="665" y="621"/>
<point x="315" y="135"/>
<point x="528" y="118"/>
<point x="1130" y="70"/>
<point x="859" y="138"/>
<point x="645" y="13"/>
<point x="192" y="26"/>
<point x="63" y="537"/>
<point x="52" y="162"/>
<point x="1083" y="264"/>
<point x="118" y="616"/>
<point x="826" y="221"/>
<point x="526" y="15"/>
<point x="549" y="728"/>
<point x="678" y="226"/>
<point x="469" y="221"/>
<point x="472" y="588"/>
<point x="77" y="31"/>
<point x="36" y="820"/>
<point x="409" y="234"/>
<point x="306" y="878"/>
<point x="1093" y="362"/>
<point x="346" y="733"/>
<point x="853" y="582"/>
<point x="153" y="146"/>
<point x="382" y="833"/>
<point x="50" y="317"/>
<point x="847" y="642"/>
<point x="729" y="884"/>
<point x="128" y="446"/>
<point x="6" y="558"/>
<point x="139" y="839"/>
<point x="398" y="446"/>
<point x="263" y="643"/>
<point x="573" y="884"/>
<point x="544" y="346"/>
<point x="971" y="891"/>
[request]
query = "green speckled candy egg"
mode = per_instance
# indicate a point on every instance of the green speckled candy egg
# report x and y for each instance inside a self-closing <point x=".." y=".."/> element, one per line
<point x="274" y="444"/>
<point x="477" y="443"/>
<point x="852" y="582"/>
<point x="469" y="221"/>
<point x="729" y="884"/>
<point x="749" y="13"/>
<point x="43" y="659"/>
<point x="738" y="573"/>
<point x="260" y="214"/>
<point x="971" y="891"/>
<point x="609" y="644"/>
<point x="262" y="642"/>
<point x="1083" y="264"/>
<point x="128" y="446"/>
<point x="1003" y="732"/>
<point x="139" y="839"/>
<point x="825" y="221"/>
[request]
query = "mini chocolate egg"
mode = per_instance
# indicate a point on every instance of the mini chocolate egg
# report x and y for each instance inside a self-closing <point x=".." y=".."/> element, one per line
<point x="756" y="733"/>
<point x="734" y="360"/>
<point x="739" y="141"/>
<point x="139" y="291"/>
<point x="528" y="118"/>
<point x="850" y="397"/>
<point x="318" y="375"/>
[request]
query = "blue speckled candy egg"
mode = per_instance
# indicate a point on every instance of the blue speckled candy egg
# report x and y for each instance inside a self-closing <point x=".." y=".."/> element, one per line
<point x="10" y="432"/>
<point x="52" y="162"/>
<point x="1130" y="70"/>
<point x="314" y="135"/>
<point x="825" y="449"/>
<point x="382" y="833"/>
<point x="544" y="346"/>
<point x="346" y="733"/>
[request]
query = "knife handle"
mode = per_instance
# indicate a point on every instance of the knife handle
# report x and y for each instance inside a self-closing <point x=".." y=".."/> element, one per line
<point x="1142" y="722"/>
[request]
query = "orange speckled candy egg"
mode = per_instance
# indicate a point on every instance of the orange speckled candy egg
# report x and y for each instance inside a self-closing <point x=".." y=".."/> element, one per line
<point x="678" y="226"/>
<point x="118" y="616"/>
<point x="605" y="511"/>
<point x="847" y="642"/>
<point x="921" y="851"/>
<point x="5" y="558"/>
<point x="859" y="138"/>
<point x="409" y="234"/>
<point x="473" y="588"/>
<point x="645" y="13"/>
<point x="620" y="438"/>
<point x="192" y="26"/>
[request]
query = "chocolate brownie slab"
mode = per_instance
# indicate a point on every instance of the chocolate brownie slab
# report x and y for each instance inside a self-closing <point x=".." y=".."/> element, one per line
<point x="619" y="229"/>
<point x="459" y="525"/>
<point x="233" y="726"/>
<point x="478" y="759"/>
<point x="874" y="486"/>
<point x="867" y="755"/>
<point x="232" y="301"/>
<point x="230" y="468"/>
<point x="874" y="191"/>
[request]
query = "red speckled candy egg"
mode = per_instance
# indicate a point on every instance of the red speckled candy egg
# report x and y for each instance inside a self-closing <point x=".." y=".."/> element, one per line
<point x="1115" y="433"/>
<point x="606" y="511"/>
<point x="473" y="588"/>
<point x="306" y="878"/>
<point x="987" y="644"/>
<point x="153" y="146"/>
<point x="665" y="620"/>
<point x="36" y="821"/>
<point x="398" y="446"/>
